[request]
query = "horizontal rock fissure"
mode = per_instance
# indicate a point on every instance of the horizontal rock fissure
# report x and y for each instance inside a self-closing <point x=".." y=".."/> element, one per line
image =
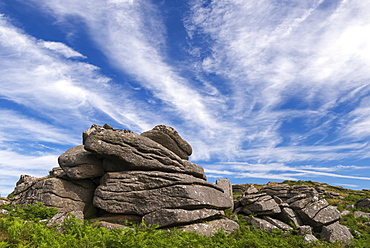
<point x="64" y="197"/>
<point x="161" y="187"/>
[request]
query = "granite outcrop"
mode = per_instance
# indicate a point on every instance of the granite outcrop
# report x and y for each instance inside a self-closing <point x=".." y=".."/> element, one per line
<point x="281" y="206"/>
<point x="117" y="176"/>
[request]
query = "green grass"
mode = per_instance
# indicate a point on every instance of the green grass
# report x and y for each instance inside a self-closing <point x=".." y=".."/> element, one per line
<point x="22" y="228"/>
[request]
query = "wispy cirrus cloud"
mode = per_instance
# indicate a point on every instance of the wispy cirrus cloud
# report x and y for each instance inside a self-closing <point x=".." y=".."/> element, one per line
<point x="281" y="171"/>
<point x="305" y="65"/>
<point x="133" y="38"/>
<point x="39" y="78"/>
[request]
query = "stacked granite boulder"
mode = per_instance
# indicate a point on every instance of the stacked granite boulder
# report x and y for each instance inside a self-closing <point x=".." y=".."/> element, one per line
<point x="117" y="175"/>
<point x="280" y="206"/>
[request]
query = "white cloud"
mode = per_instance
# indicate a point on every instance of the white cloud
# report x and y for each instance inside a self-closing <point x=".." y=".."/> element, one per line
<point x="133" y="39"/>
<point x="61" y="48"/>
<point x="280" y="171"/>
<point x="52" y="86"/>
<point x="16" y="127"/>
<point x="273" y="53"/>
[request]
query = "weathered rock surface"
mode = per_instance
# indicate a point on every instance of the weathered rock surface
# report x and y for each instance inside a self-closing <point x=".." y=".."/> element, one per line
<point x="129" y="151"/>
<point x="78" y="163"/>
<point x="318" y="213"/>
<point x="169" y="138"/>
<point x="4" y="201"/>
<point x="279" y="224"/>
<point x="58" y="172"/>
<point x="64" y="195"/>
<point x="141" y="192"/>
<point x="128" y="181"/>
<point x="24" y="183"/>
<point x="3" y="211"/>
<point x="277" y="205"/>
<point x="175" y="217"/>
<point x="259" y="223"/>
<point x="289" y="216"/>
<point x="285" y="191"/>
<point x="336" y="232"/>
<point x="212" y="227"/>
<point x="363" y="203"/>
<point x="60" y="217"/>
<point x="144" y="202"/>
<point x="309" y="238"/>
<point x="228" y="190"/>
<point x="258" y="203"/>
<point x="357" y="214"/>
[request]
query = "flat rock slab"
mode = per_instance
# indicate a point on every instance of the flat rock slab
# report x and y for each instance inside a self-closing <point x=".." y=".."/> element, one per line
<point x="211" y="227"/>
<point x="175" y="217"/>
<point x="128" y="181"/>
<point x="65" y="195"/>
<point x="265" y="205"/>
<point x="361" y="214"/>
<point x="146" y="201"/>
<point x="78" y="163"/>
<point x="281" y="225"/>
<point x="259" y="223"/>
<point x="129" y="151"/>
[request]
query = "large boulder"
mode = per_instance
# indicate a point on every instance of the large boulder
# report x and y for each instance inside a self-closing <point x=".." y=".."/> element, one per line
<point x="56" y="192"/>
<point x="336" y="232"/>
<point x="175" y="217"/>
<point x="129" y="151"/>
<point x="318" y="213"/>
<point x="78" y="163"/>
<point x="169" y="138"/>
<point x="142" y="192"/>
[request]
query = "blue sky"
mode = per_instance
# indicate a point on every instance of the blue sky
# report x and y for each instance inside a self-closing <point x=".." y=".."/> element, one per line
<point x="263" y="90"/>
